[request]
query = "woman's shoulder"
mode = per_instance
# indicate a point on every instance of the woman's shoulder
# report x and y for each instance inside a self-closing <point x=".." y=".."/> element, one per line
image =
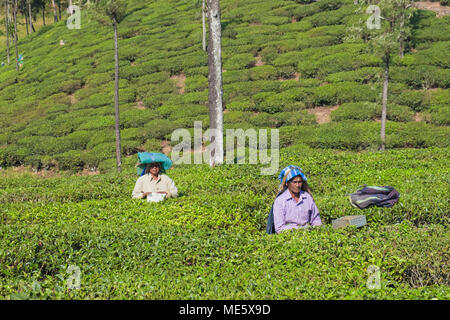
<point x="307" y="195"/>
<point x="141" y="177"/>
<point x="282" y="196"/>
<point x="165" y="177"/>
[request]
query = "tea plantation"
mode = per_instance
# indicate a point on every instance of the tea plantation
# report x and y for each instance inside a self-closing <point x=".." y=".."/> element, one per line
<point x="210" y="242"/>
<point x="283" y="61"/>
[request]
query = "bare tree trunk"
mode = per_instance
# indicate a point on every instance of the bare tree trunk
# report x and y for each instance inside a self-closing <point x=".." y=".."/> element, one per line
<point x="402" y="48"/>
<point x="29" y="13"/>
<point x="59" y="9"/>
<point x="27" y="24"/>
<point x="215" y="96"/>
<point x="43" y="13"/>
<point x="116" y="99"/>
<point x="55" y="15"/>
<point x="402" y="35"/>
<point x="384" y="102"/>
<point x="7" y="28"/>
<point x="204" y="25"/>
<point x="15" y="34"/>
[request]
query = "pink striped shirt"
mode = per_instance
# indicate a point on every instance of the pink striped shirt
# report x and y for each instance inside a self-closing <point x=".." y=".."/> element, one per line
<point x="288" y="214"/>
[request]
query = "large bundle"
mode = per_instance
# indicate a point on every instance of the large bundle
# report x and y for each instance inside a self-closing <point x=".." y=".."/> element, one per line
<point x="150" y="157"/>
<point x="385" y="196"/>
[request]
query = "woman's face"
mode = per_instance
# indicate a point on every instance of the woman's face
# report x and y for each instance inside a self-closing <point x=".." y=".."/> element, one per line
<point x="295" y="185"/>
<point x="154" y="168"/>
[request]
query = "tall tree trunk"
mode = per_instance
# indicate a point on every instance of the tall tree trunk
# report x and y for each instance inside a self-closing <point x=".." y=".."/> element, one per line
<point x="116" y="99"/>
<point x="59" y="9"/>
<point x="55" y="16"/>
<point x="29" y="13"/>
<point x="15" y="35"/>
<point x="7" y="29"/>
<point x="215" y="96"/>
<point x="43" y="13"/>
<point x="402" y="35"/>
<point x="384" y="102"/>
<point x="402" y="48"/>
<point x="27" y="24"/>
<point x="203" y="25"/>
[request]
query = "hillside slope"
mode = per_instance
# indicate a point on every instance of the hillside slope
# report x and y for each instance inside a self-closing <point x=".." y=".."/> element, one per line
<point x="281" y="61"/>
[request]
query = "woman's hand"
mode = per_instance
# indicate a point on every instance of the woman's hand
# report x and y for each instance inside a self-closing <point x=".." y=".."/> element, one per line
<point x="150" y="193"/>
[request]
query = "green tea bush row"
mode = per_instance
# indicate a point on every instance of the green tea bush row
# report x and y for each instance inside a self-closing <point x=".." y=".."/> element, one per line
<point x="423" y="76"/>
<point x="335" y="63"/>
<point x="331" y="17"/>
<point x="439" y="115"/>
<point x="354" y="135"/>
<point x="431" y="30"/>
<point x="365" y="111"/>
<point x="207" y="268"/>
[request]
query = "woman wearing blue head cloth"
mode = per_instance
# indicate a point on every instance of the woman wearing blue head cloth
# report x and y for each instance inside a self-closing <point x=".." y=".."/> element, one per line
<point x="152" y="180"/>
<point x="295" y="206"/>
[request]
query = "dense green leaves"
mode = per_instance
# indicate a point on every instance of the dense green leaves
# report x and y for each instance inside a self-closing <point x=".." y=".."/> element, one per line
<point x="214" y="233"/>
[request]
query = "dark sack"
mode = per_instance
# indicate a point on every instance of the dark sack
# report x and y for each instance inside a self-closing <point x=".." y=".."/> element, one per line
<point x="270" y="229"/>
<point x="385" y="196"/>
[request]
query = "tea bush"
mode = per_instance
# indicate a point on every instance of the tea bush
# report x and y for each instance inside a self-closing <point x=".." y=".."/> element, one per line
<point x="196" y="83"/>
<point x="70" y="160"/>
<point x="343" y="61"/>
<point x="93" y="223"/>
<point x="239" y="61"/>
<point x="366" y="111"/>
<point x="354" y="135"/>
<point x="341" y="92"/>
<point x="439" y="115"/>
<point x="423" y="76"/>
<point x="431" y="30"/>
<point x="362" y="111"/>
<point x="363" y="75"/>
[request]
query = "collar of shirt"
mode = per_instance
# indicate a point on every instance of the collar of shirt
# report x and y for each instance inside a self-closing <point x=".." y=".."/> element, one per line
<point x="151" y="177"/>
<point x="301" y="197"/>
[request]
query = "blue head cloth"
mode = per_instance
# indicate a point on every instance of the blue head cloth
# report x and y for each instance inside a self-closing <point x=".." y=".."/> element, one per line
<point x="294" y="172"/>
<point x="145" y="158"/>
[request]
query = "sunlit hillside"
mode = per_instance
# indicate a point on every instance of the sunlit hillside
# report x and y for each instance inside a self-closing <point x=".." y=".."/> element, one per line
<point x="286" y="64"/>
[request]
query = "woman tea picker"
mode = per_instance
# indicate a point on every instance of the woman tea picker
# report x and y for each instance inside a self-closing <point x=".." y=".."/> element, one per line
<point x="294" y="207"/>
<point x="153" y="180"/>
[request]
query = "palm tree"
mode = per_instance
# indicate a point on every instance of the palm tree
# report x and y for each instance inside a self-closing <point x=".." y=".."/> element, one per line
<point x="15" y="34"/>
<point x="30" y="18"/>
<point x="203" y="25"/>
<point x="384" y="41"/>
<point x="7" y="28"/>
<point x="115" y="10"/>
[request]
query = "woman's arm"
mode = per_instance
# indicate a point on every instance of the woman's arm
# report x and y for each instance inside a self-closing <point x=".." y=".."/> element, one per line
<point x="314" y="218"/>
<point x="279" y="217"/>
<point x="171" y="189"/>
<point x="138" y="191"/>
